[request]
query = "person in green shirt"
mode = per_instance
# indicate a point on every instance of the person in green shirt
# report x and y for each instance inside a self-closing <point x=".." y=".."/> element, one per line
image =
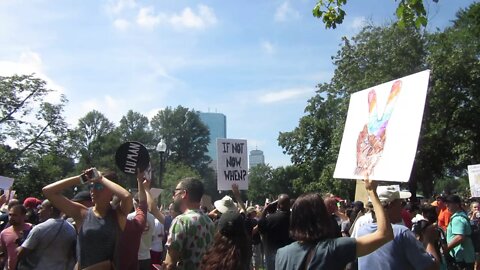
<point x="459" y="241"/>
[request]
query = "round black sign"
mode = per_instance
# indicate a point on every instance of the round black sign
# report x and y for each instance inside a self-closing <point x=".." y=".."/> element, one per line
<point x="130" y="156"/>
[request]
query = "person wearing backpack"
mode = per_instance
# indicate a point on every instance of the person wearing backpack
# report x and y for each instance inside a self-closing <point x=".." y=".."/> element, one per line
<point x="459" y="235"/>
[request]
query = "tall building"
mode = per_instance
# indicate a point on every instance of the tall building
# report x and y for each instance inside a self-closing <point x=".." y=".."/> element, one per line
<point x="256" y="157"/>
<point x="217" y="124"/>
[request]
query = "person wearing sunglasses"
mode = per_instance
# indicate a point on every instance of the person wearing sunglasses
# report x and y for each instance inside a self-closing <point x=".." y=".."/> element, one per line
<point x="98" y="227"/>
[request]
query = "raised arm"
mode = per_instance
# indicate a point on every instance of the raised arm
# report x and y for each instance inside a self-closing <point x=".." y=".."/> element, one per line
<point x="384" y="233"/>
<point x="152" y="206"/>
<point x="125" y="197"/>
<point x="53" y="192"/>
<point x="238" y="197"/>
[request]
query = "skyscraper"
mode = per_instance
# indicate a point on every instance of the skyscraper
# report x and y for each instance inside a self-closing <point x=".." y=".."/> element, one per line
<point x="256" y="157"/>
<point x="217" y="124"/>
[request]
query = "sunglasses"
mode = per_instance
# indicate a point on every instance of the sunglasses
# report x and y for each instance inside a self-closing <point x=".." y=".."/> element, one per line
<point x="96" y="186"/>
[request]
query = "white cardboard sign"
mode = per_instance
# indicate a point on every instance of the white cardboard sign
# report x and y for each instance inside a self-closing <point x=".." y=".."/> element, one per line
<point x="382" y="128"/>
<point x="232" y="164"/>
<point x="6" y="182"/>
<point x="474" y="179"/>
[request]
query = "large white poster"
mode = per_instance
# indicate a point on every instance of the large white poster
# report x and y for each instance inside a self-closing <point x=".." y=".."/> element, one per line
<point x="474" y="179"/>
<point x="232" y="164"/>
<point x="381" y="132"/>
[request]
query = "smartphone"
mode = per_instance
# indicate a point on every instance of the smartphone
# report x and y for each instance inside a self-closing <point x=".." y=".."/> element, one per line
<point x="89" y="175"/>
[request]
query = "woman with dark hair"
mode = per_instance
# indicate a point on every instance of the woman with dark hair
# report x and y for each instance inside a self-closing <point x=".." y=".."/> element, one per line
<point x="231" y="248"/>
<point x="98" y="227"/>
<point x="316" y="247"/>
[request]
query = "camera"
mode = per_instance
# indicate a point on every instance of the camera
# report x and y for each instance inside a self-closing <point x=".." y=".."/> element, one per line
<point x="89" y="175"/>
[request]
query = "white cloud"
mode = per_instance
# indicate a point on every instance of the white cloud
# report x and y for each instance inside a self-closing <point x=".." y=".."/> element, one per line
<point x="268" y="47"/>
<point x="287" y="94"/>
<point x="357" y="23"/>
<point x="117" y="6"/>
<point x="121" y="24"/>
<point x="147" y="19"/>
<point x="112" y="108"/>
<point x="188" y="19"/>
<point x="284" y="12"/>
<point x="28" y="63"/>
<point x="151" y="113"/>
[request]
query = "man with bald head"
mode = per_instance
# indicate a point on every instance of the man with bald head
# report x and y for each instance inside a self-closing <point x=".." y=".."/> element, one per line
<point x="274" y="228"/>
<point x="49" y="244"/>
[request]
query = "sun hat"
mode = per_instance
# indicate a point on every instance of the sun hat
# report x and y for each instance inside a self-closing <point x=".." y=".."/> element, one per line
<point x="251" y="209"/>
<point x="225" y="204"/>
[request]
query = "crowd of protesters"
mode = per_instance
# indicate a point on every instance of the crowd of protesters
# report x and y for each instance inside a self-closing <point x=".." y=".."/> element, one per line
<point x="107" y="227"/>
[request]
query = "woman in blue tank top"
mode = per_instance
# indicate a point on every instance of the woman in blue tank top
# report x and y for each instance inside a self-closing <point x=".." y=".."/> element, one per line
<point x="98" y="227"/>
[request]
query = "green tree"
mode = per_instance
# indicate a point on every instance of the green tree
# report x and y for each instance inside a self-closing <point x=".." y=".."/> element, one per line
<point x="40" y="172"/>
<point x="95" y="140"/>
<point x="409" y="12"/>
<point x="282" y="181"/>
<point x="174" y="172"/>
<point x="186" y="136"/>
<point x="374" y="56"/>
<point x="30" y="123"/>
<point x="259" y="178"/>
<point x="134" y="127"/>
<point x="450" y="138"/>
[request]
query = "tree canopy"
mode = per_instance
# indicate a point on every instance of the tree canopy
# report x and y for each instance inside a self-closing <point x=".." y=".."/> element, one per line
<point x="449" y="139"/>
<point x="408" y="12"/>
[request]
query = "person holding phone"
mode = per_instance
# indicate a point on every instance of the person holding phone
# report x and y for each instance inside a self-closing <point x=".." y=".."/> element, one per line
<point x="98" y="227"/>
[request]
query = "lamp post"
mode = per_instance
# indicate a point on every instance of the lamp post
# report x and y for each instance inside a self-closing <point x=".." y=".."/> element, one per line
<point x="161" y="149"/>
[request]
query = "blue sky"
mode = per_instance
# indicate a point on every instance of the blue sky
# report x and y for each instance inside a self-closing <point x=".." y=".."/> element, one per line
<point x="257" y="62"/>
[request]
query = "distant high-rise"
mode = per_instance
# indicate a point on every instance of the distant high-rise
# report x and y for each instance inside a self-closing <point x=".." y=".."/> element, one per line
<point x="217" y="124"/>
<point x="256" y="157"/>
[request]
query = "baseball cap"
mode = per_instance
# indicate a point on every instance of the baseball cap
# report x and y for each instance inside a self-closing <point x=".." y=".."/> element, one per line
<point x="31" y="202"/>
<point x="390" y="193"/>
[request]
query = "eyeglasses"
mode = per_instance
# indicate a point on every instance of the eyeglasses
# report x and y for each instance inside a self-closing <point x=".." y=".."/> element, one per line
<point x="96" y="186"/>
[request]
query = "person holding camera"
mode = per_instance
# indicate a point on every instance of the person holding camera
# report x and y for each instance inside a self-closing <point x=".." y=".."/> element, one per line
<point x="12" y="237"/>
<point x="99" y="226"/>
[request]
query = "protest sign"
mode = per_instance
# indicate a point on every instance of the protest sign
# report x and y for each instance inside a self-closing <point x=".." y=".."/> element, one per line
<point x="5" y="182"/>
<point x="130" y="156"/>
<point x="155" y="192"/>
<point x="232" y="164"/>
<point x="10" y="194"/>
<point x="381" y="132"/>
<point x="474" y="179"/>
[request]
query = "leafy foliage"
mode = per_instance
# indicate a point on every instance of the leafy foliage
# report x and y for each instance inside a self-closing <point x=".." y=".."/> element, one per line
<point x="409" y="12"/>
<point x="185" y="134"/>
<point x="449" y="134"/>
<point x="134" y="127"/>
